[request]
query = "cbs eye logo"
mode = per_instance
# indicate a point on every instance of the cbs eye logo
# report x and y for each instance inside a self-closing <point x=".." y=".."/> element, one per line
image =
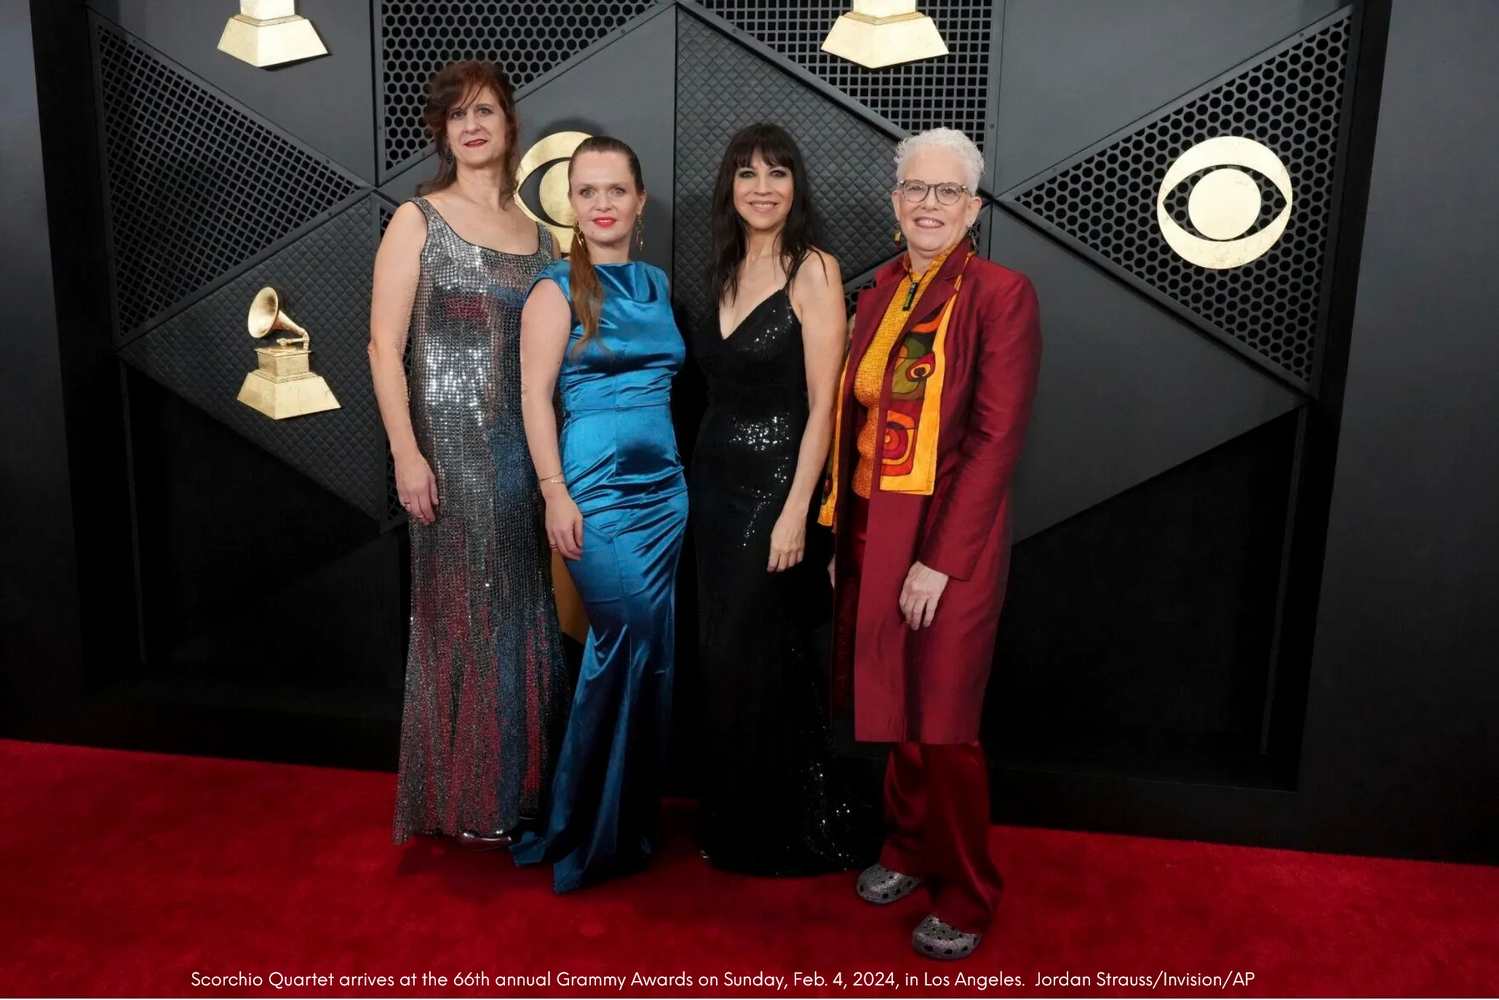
<point x="1225" y="203"/>
<point x="550" y="156"/>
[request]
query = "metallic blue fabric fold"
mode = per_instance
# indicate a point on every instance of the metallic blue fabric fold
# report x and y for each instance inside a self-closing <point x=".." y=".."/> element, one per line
<point x="619" y="455"/>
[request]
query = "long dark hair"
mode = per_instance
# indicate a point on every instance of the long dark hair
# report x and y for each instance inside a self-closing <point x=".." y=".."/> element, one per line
<point x="453" y="87"/>
<point x="801" y="232"/>
<point x="587" y="293"/>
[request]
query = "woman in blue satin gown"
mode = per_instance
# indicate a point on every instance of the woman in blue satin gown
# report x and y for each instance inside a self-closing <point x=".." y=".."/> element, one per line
<point x="600" y="325"/>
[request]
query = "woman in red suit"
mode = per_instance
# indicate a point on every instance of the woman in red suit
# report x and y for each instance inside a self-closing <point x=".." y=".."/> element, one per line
<point x="934" y="401"/>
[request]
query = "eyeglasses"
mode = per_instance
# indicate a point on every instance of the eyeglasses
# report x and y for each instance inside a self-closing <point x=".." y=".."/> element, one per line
<point x="947" y="193"/>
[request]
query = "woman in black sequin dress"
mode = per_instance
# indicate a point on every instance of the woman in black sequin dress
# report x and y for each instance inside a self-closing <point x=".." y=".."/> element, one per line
<point x="775" y="800"/>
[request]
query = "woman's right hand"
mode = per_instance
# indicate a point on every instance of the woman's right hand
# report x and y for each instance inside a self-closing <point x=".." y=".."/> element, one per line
<point x="564" y="525"/>
<point x="417" y="487"/>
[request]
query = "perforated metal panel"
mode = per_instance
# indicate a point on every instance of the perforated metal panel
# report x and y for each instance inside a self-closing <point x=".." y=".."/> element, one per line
<point x="721" y="87"/>
<point x="951" y="91"/>
<point x="527" y="39"/>
<point x="1290" y="101"/>
<point x="203" y="354"/>
<point x="852" y="290"/>
<point x="196" y="186"/>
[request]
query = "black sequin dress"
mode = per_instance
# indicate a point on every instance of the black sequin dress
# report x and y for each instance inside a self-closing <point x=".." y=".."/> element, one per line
<point x="776" y="800"/>
<point x="487" y="685"/>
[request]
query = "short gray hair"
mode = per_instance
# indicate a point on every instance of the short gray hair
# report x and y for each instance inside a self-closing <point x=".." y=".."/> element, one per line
<point x="949" y="139"/>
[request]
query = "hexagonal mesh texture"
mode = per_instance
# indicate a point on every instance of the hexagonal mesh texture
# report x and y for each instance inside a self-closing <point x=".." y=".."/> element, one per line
<point x="418" y="37"/>
<point x="721" y="87"/>
<point x="952" y="91"/>
<point x="203" y="355"/>
<point x="1292" y="102"/>
<point x="196" y="186"/>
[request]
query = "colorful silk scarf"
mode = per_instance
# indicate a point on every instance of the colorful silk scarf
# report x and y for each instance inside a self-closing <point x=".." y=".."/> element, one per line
<point x="908" y="456"/>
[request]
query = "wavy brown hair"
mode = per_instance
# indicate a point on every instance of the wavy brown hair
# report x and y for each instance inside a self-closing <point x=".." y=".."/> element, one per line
<point x="456" y="86"/>
<point x="587" y="293"/>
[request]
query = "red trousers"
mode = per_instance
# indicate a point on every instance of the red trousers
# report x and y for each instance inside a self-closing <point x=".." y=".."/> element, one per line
<point x="937" y="809"/>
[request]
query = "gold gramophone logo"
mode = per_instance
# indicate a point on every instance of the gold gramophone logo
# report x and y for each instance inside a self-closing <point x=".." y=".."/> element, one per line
<point x="549" y="156"/>
<point x="284" y="385"/>
<point x="1225" y="203"/>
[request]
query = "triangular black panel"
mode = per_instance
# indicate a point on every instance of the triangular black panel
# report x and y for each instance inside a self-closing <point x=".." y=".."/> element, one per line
<point x="339" y="121"/>
<point x="1127" y="390"/>
<point x="1119" y="63"/>
<point x="527" y="38"/>
<point x="721" y="87"/>
<point x="950" y="91"/>
<point x="196" y="185"/>
<point x="1104" y="202"/>
<point x="203" y="354"/>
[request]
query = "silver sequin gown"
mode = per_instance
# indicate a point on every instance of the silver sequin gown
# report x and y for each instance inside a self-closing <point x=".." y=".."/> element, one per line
<point x="487" y="688"/>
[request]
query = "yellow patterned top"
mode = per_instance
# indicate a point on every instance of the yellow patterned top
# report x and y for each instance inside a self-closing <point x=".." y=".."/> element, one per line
<point x="869" y="377"/>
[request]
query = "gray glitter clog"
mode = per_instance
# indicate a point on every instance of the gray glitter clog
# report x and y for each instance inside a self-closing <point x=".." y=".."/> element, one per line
<point x="881" y="885"/>
<point x="942" y="941"/>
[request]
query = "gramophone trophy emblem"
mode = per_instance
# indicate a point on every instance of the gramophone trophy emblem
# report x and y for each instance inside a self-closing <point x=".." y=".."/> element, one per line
<point x="270" y="32"/>
<point x="283" y="386"/>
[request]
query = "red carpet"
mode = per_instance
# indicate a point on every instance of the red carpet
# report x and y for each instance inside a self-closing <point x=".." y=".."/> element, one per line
<point x="127" y="873"/>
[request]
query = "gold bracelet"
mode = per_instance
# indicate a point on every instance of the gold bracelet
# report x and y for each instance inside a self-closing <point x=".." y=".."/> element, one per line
<point x="555" y="479"/>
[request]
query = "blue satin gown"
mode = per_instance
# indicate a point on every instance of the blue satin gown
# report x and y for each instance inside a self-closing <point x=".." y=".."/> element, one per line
<point x="619" y="456"/>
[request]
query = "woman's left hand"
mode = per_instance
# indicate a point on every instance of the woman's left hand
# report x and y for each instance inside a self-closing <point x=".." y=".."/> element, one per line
<point x="788" y="542"/>
<point x="920" y="594"/>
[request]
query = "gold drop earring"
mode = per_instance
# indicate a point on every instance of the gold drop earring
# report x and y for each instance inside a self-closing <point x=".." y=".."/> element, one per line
<point x="639" y="233"/>
<point x="898" y="236"/>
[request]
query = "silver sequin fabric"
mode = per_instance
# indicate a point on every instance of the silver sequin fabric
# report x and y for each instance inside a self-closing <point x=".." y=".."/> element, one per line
<point x="487" y="688"/>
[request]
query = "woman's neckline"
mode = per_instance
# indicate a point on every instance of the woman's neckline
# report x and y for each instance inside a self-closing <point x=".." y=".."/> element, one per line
<point x="718" y="316"/>
<point x="480" y="246"/>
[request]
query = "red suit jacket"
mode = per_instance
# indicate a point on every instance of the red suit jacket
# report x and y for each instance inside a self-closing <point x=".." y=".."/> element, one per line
<point x="928" y="685"/>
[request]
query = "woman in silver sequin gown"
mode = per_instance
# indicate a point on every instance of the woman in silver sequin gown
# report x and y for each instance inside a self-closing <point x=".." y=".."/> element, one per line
<point x="486" y="679"/>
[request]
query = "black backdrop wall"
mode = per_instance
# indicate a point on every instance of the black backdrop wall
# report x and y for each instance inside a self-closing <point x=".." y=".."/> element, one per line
<point x="40" y="636"/>
<point x="189" y="575"/>
<point x="1402" y="749"/>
